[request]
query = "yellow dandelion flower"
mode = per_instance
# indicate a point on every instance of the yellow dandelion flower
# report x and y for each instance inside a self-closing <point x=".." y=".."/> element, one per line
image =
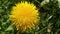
<point x="24" y="16"/>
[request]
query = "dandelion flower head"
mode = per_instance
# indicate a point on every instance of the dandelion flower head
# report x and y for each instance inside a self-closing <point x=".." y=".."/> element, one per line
<point x="24" y="16"/>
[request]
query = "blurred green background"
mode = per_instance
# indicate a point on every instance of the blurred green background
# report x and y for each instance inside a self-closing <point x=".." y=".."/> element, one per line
<point x="49" y="17"/>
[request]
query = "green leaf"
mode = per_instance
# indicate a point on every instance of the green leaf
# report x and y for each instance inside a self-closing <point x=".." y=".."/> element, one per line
<point x="9" y="28"/>
<point x="59" y="3"/>
<point x="44" y="2"/>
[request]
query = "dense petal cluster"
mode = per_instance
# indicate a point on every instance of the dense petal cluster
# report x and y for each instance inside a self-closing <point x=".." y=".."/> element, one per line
<point x="24" y="16"/>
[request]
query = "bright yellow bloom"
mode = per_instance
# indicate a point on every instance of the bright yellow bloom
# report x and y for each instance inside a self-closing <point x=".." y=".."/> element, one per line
<point x="24" y="16"/>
